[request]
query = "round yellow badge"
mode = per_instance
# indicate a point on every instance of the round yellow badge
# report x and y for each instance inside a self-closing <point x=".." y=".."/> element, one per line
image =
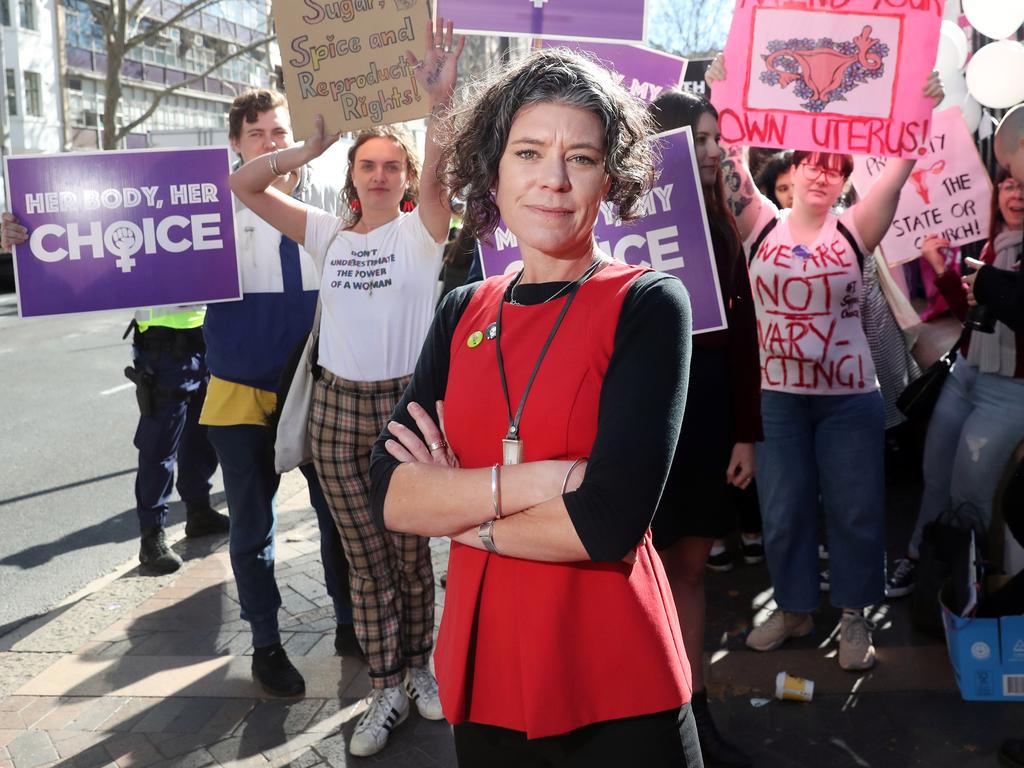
<point x="474" y="339"/>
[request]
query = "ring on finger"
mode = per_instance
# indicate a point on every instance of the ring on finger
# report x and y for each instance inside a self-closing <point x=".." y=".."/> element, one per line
<point x="417" y="65"/>
<point x="437" y="445"/>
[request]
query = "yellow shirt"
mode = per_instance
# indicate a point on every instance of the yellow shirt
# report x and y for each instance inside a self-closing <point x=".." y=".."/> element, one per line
<point x="228" y="404"/>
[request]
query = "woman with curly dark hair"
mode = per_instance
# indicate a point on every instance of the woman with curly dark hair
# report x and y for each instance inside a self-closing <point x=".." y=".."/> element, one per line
<point x="538" y="432"/>
<point x="377" y="297"/>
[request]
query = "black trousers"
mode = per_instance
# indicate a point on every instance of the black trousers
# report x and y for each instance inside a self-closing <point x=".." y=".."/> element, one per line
<point x="662" y="740"/>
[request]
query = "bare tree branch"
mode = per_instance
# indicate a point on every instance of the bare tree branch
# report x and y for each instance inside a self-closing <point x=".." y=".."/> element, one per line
<point x="159" y="96"/>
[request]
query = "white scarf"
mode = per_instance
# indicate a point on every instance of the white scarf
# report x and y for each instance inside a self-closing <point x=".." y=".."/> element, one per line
<point x="997" y="352"/>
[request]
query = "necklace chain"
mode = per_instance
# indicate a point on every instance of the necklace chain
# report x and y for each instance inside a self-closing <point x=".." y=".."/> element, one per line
<point x="565" y="288"/>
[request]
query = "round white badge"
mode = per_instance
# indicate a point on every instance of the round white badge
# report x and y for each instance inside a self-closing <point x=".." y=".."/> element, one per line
<point x="981" y="651"/>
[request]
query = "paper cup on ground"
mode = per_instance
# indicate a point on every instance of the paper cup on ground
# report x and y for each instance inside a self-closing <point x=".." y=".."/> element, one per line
<point x="793" y="688"/>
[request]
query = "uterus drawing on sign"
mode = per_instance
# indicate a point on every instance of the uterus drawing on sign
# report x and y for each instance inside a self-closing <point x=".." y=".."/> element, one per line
<point x="841" y="64"/>
<point x="919" y="179"/>
<point x="824" y="70"/>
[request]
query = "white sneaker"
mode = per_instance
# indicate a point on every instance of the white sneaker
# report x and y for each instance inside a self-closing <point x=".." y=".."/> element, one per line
<point x="421" y="687"/>
<point x="388" y="708"/>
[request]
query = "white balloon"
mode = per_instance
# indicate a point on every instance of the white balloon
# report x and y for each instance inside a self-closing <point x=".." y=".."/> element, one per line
<point x="997" y="19"/>
<point x="972" y="113"/>
<point x="953" y="48"/>
<point x="994" y="74"/>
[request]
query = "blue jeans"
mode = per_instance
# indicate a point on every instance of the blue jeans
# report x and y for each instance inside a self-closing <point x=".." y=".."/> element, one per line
<point x="977" y="423"/>
<point x="835" y="443"/>
<point x="171" y="435"/>
<point x="250" y="484"/>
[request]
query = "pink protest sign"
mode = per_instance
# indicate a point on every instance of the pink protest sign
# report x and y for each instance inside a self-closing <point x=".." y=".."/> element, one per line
<point x="830" y="75"/>
<point x="949" y="193"/>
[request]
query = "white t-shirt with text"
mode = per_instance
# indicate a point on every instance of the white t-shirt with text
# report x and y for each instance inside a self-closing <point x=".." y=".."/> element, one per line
<point x="377" y="295"/>
<point x="808" y="302"/>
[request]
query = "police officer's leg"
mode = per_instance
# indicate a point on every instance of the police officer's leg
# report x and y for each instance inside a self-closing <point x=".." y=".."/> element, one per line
<point x="197" y="461"/>
<point x="157" y="437"/>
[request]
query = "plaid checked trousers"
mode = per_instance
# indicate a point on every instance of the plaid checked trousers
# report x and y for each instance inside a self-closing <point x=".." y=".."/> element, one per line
<point x="390" y="575"/>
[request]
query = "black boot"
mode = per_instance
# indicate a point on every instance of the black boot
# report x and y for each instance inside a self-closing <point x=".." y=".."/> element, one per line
<point x="155" y="554"/>
<point x="346" y="643"/>
<point x="717" y="752"/>
<point x="277" y="675"/>
<point x="203" y="521"/>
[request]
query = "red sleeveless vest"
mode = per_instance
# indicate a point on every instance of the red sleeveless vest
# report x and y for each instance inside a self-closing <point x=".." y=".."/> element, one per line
<point x="546" y="648"/>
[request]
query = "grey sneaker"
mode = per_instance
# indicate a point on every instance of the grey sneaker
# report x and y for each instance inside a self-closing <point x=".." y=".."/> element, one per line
<point x="388" y="708"/>
<point x="856" y="651"/>
<point x="155" y="554"/>
<point x="421" y="687"/>
<point x="778" y="629"/>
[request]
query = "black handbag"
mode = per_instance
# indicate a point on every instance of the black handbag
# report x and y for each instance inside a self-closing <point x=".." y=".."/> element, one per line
<point x="918" y="398"/>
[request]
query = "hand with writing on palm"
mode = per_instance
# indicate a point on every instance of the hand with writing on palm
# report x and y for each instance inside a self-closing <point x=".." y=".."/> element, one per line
<point x="436" y="71"/>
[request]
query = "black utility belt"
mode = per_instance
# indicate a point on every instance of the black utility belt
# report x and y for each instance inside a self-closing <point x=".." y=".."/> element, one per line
<point x="160" y="339"/>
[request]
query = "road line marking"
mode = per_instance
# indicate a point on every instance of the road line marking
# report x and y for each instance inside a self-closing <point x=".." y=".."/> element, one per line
<point x="118" y="388"/>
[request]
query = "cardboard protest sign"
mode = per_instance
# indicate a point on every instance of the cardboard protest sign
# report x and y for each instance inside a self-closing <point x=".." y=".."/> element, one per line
<point x="615" y="21"/>
<point x="830" y="75"/>
<point x="644" y="72"/>
<point x="672" y="237"/>
<point x="346" y="61"/>
<point x="120" y="230"/>
<point x="949" y="192"/>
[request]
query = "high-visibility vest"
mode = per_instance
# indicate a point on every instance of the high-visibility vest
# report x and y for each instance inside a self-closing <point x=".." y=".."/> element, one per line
<point x="182" y="318"/>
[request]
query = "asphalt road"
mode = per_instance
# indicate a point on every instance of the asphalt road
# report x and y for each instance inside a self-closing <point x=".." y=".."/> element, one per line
<point x="67" y="463"/>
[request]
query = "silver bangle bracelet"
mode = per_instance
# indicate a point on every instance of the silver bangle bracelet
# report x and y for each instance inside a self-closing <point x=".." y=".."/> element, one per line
<point x="486" y="534"/>
<point x="565" y="483"/>
<point x="496" y="490"/>
<point x="273" y="164"/>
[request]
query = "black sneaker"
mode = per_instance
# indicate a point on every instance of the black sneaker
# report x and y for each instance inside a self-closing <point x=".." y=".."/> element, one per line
<point x="716" y="751"/>
<point x="204" y="521"/>
<point x="903" y="579"/>
<point x="275" y="673"/>
<point x="824" y="584"/>
<point x="154" y="553"/>
<point x="346" y="643"/>
<point x="752" y="550"/>
<point x="720" y="561"/>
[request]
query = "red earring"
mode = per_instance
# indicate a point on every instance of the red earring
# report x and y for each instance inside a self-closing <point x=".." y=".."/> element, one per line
<point x="408" y="206"/>
<point x="356" y="206"/>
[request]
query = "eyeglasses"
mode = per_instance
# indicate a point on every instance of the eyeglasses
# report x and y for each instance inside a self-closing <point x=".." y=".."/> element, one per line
<point x="1010" y="186"/>
<point x="815" y="172"/>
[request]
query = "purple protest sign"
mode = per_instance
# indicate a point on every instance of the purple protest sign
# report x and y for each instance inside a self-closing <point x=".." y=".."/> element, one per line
<point x="617" y="21"/>
<point x="672" y="236"/>
<point x="120" y="230"/>
<point x="644" y="72"/>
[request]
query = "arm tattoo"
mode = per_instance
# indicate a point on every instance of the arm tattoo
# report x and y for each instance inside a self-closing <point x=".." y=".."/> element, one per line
<point x="739" y="190"/>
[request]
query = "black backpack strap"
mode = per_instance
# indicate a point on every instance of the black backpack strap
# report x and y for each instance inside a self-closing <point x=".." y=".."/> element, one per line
<point x="760" y="239"/>
<point x="848" y="236"/>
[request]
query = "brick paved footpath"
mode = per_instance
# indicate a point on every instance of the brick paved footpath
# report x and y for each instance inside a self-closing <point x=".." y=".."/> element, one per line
<point x="144" y="670"/>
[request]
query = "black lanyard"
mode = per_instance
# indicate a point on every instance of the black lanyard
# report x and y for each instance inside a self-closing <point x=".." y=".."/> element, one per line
<point x="513" y="423"/>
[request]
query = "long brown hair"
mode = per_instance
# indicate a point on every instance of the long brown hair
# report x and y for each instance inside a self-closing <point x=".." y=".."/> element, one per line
<point x="673" y="109"/>
<point x="404" y="140"/>
<point x="996" y="221"/>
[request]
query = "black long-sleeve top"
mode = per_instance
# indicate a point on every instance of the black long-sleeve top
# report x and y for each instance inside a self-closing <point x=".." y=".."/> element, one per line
<point x="641" y="409"/>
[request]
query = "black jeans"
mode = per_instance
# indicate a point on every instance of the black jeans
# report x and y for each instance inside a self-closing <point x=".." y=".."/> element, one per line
<point x="662" y="740"/>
